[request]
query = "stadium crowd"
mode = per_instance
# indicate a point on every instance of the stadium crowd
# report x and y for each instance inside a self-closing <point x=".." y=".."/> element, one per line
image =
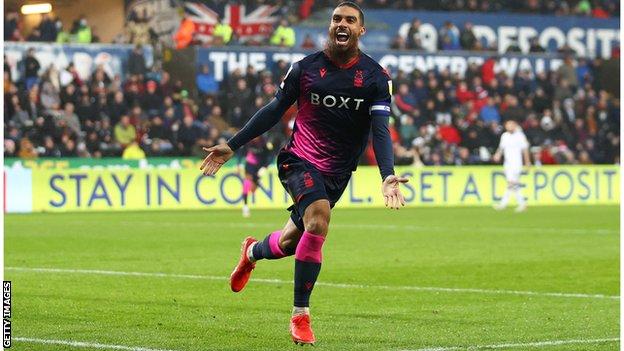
<point x="138" y="31"/>
<point x="438" y="117"/>
<point x="595" y="8"/>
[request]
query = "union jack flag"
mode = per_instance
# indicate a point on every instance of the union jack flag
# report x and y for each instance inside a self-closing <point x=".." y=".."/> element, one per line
<point x="256" y="25"/>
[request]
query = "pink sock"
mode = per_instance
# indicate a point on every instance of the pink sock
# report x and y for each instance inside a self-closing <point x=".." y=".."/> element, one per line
<point x="309" y="248"/>
<point x="274" y="244"/>
<point x="247" y="186"/>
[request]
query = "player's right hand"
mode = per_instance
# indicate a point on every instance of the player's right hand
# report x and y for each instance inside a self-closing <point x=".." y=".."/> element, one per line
<point x="217" y="156"/>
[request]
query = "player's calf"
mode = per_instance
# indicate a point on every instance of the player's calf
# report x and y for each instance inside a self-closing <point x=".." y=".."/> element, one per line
<point x="269" y="248"/>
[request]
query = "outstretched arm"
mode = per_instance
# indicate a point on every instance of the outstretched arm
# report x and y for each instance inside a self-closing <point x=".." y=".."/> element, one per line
<point x="261" y="122"/>
<point x="382" y="145"/>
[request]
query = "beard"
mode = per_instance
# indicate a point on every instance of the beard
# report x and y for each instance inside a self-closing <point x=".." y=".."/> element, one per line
<point x="342" y="53"/>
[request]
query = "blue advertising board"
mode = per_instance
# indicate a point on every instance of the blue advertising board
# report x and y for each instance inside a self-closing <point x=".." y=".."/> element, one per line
<point x="86" y="57"/>
<point x="222" y="61"/>
<point x="588" y="37"/>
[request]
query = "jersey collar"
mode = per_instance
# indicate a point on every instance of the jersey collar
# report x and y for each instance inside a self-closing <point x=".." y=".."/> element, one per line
<point x="347" y="65"/>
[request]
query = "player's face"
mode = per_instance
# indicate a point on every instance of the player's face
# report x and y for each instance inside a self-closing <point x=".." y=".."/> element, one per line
<point x="345" y="28"/>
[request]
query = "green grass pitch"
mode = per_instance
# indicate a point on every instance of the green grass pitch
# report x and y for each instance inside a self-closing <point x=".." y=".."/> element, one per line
<point x="465" y="277"/>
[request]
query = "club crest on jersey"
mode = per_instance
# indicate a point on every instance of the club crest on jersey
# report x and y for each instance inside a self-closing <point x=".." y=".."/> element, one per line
<point x="322" y="71"/>
<point x="358" y="81"/>
<point x="333" y="101"/>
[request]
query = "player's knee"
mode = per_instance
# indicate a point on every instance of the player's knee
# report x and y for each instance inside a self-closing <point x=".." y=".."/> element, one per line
<point x="316" y="217"/>
<point x="317" y="226"/>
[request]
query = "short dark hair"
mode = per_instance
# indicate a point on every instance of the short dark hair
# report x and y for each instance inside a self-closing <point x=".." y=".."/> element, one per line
<point x="355" y="6"/>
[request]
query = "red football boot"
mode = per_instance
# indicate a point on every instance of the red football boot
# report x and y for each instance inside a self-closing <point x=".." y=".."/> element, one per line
<point x="242" y="272"/>
<point x="300" y="329"/>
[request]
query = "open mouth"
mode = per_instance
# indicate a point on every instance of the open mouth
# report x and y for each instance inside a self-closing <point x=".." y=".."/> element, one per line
<point x="342" y="37"/>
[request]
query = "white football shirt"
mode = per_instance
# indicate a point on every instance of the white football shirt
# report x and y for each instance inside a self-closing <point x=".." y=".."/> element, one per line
<point x="512" y="145"/>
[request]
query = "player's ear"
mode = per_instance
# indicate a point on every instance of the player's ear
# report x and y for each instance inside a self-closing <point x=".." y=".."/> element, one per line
<point x="362" y="30"/>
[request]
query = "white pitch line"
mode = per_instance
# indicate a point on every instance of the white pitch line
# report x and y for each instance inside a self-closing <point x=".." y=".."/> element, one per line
<point x="329" y="284"/>
<point x="81" y="344"/>
<point x="536" y="344"/>
<point x="365" y="226"/>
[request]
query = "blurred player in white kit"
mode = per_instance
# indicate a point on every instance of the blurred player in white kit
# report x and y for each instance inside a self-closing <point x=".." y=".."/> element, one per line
<point x="514" y="147"/>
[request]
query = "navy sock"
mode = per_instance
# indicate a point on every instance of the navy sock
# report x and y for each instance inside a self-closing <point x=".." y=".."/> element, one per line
<point x="306" y="274"/>
<point x="308" y="258"/>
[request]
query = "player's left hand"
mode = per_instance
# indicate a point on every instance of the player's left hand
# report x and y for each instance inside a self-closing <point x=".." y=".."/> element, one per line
<point x="391" y="192"/>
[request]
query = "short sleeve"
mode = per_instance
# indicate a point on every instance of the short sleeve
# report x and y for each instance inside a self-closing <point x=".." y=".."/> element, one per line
<point x="382" y="98"/>
<point x="289" y="88"/>
<point x="525" y="142"/>
<point x="501" y="145"/>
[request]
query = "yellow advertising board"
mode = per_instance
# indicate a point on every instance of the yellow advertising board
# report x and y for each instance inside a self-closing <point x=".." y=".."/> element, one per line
<point x="140" y="189"/>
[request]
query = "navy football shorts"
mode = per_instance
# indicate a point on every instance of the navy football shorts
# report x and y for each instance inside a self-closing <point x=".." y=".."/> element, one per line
<point x="306" y="184"/>
<point x="253" y="171"/>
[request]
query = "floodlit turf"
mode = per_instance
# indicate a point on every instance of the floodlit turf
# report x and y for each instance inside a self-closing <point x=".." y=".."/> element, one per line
<point x="568" y="250"/>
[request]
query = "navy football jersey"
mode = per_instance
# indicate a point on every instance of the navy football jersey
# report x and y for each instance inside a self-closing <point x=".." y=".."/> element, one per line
<point x="335" y="105"/>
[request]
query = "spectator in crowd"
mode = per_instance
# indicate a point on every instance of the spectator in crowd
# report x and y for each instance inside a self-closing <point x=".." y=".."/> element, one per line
<point x="187" y="136"/>
<point x="414" y="41"/>
<point x="449" y="37"/>
<point x="404" y="101"/>
<point x="68" y="119"/>
<point x="31" y="68"/>
<point x="47" y="28"/>
<point x="158" y="138"/>
<point x="567" y="71"/>
<point x="398" y="43"/>
<point x="125" y="132"/>
<point x="534" y="46"/>
<point x="222" y="33"/>
<point x="11" y="26"/>
<point x="185" y="33"/>
<point x="308" y="43"/>
<point x="513" y="45"/>
<point x="467" y="38"/>
<point x="133" y="152"/>
<point x="26" y="149"/>
<point x="19" y="118"/>
<point x="489" y="113"/>
<point x="241" y="104"/>
<point x="63" y="36"/>
<point x="284" y="35"/>
<point x="151" y="100"/>
<point x="599" y="12"/>
<point x="206" y="82"/>
<point x="81" y="31"/>
<point x="583" y="8"/>
<point x="35" y="35"/>
<point x="136" y="61"/>
<point x="49" y="148"/>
